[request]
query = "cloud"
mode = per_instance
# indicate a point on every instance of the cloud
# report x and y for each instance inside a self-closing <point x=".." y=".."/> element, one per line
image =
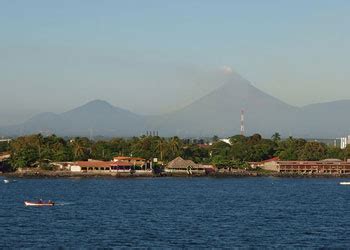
<point x="227" y="70"/>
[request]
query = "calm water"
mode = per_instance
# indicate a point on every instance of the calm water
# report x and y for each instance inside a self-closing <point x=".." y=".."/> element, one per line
<point x="164" y="212"/>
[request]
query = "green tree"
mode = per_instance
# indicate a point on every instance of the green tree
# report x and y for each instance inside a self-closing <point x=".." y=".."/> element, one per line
<point x="175" y="145"/>
<point x="313" y="151"/>
<point x="215" y="138"/>
<point x="346" y="152"/>
<point x="101" y="150"/>
<point x="195" y="153"/>
<point x="276" y="137"/>
<point x="81" y="148"/>
<point x="290" y="149"/>
<point x="25" y="151"/>
<point x="336" y="153"/>
<point x="4" y="146"/>
<point x="221" y="153"/>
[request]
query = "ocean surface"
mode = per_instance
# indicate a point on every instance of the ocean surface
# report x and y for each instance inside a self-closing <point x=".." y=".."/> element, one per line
<point x="176" y="213"/>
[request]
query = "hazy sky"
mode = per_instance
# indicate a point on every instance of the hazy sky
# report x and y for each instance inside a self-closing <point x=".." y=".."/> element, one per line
<point x="154" y="56"/>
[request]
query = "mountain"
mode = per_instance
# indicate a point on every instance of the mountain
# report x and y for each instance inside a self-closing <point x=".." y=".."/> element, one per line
<point x="103" y="119"/>
<point x="217" y="113"/>
<point x="96" y="117"/>
<point x="325" y="120"/>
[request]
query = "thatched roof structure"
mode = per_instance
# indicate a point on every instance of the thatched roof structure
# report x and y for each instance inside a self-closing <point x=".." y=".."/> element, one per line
<point x="180" y="163"/>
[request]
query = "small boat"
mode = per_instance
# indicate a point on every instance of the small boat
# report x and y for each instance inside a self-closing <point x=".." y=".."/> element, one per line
<point x="345" y="183"/>
<point x="6" y="181"/>
<point x="39" y="203"/>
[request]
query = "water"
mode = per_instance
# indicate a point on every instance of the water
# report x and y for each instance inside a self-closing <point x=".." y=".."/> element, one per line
<point x="178" y="212"/>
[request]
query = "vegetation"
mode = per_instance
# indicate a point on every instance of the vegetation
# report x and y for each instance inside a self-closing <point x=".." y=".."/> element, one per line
<point x="4" y="146"/>
<point x="37" y="150"/>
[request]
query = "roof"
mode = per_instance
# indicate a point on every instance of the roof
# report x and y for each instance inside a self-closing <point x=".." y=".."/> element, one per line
<point x="331" y="160"/>
<point x="101" y="163"/>
<point x="258" y="163"/>
<point x="93" y="163"/>
<point x="271" y="160"/>
<point x="308" y="163"/>
<point x="126" y="158"/>
<point x="121" y="163"/>
<point x="181" y="163"/>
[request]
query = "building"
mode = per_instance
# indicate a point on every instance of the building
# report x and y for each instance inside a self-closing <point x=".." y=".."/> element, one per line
<point x="328" y="166"/>
<point x="87" y="166"/>
<point x="134" y="160"/>
<point x="61" y="165"/>
<point x="181" y="166"/>
<point x="344" y="142"/>
<point x="102" y="166"/>
<point x="137" y="162"/>
<point x="341" y="142"/>
<point x="226" y="140"/>
<point x="265" y="164"/>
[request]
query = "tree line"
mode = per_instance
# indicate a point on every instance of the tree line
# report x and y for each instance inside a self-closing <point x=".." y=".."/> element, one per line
<point x="35" y="150"/>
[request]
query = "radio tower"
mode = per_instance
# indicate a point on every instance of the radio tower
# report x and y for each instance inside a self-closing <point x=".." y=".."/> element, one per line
<point x="242" y="122"/>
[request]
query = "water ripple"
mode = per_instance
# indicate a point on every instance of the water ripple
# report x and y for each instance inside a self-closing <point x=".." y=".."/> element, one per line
<point x="176" y="213"/>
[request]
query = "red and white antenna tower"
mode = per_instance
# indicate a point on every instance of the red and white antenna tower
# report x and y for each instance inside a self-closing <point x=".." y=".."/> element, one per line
<point x="242" y="122"/>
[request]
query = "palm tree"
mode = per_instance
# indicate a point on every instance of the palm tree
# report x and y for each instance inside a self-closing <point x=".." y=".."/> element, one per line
<point x="39" y="143"/>
<point x="276" y="137"/>
<point x="78" y="148"/>
<point x="175" y="145"/>
<point x="160" y="147"/>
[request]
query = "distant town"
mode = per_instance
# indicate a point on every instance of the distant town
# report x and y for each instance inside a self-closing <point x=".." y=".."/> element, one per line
<point x="152" y="155"/>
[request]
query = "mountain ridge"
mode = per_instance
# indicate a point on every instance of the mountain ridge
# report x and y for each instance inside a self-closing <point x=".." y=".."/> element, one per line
<point x="215" y="113"/>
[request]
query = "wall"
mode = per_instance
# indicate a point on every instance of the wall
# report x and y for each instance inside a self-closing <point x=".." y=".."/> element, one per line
<point x="271" y="166"/>
<point x="75" y="168"/>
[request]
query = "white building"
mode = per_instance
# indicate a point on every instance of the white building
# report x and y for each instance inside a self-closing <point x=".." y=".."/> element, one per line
<point x="226" y="141"/>
<point x="344" y="141"/>
<point x="75" y="168"/>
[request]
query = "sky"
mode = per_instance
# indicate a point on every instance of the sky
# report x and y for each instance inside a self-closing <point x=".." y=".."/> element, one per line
<point x="155" y="56"/>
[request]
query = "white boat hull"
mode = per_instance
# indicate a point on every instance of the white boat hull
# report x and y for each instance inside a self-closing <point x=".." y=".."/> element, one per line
<point x="37" y="204"/>
<point x="345" y="183"/>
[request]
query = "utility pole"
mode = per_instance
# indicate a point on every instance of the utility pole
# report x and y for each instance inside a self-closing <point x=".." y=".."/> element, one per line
<point x="242" y="122"/>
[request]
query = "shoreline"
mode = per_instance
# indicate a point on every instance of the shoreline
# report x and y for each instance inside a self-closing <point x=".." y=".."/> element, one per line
<point x="241" y="174"/>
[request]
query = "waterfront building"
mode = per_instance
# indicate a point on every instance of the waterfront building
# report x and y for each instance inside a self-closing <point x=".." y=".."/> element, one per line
<point x="328" y="166"/>
<point x="270" y="163"/>
<point x="104" y="166"/>
<point x="181" y="166"/>
<point x="137" y="161"/>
